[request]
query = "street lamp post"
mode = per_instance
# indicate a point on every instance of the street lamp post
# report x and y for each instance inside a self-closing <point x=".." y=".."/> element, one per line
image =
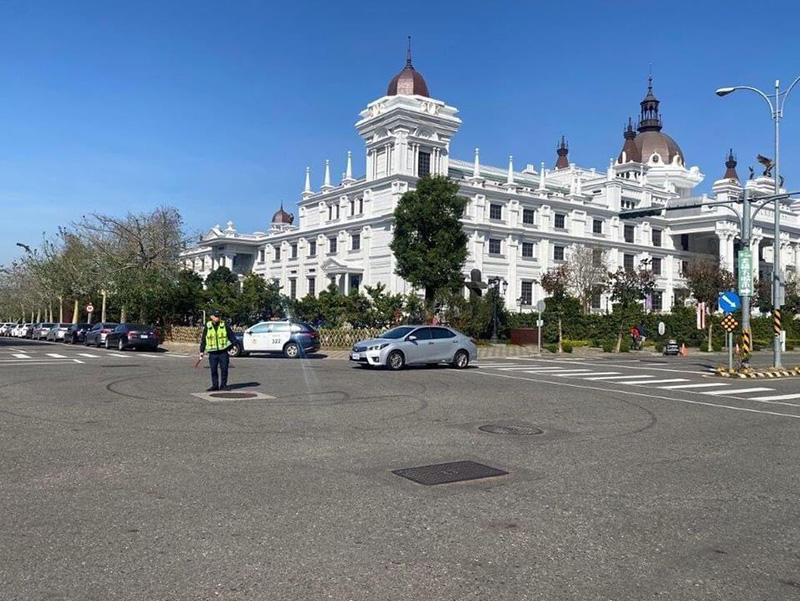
<point x="495" y="283"/>
<point x="776" y="112"/>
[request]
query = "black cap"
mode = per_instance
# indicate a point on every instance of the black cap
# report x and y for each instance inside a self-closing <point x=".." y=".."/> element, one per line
<point x="214" y="314"/>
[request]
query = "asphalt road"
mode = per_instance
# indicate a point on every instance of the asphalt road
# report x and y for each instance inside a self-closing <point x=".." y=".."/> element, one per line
<point x="651" y="480"/>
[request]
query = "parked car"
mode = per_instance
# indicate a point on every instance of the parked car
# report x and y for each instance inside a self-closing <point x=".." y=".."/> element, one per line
<point x="77" y="333"/>
<point x="15" y="330"/>
<point x="5" y="329"/>
<point x="41" y="329"/>
<point x="293" y="339"/>
<point x="416" y="345"/>
<point x="97" y="335"/>
<point x="57" y="332"/>
<point x="132" y="335"/>
<point x="24" y="330"/>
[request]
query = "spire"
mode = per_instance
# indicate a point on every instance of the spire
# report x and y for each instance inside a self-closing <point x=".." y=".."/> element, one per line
<point x="562" y="150"/>
<point x="307" y="188"/>
<point x="730" y="164"/>
<point x="408" y="53"/>
<point x="541" y="177"/>
<point x="348" y="173"/>
<point x="510" y="177"/>
<point x="630" y="152"/>
<point x="326" y="184"/>
<point x="649" y="119"/>
<point x="476" y="167"/>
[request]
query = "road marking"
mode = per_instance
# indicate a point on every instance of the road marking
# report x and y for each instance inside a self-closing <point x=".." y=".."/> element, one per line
<point x="736" y="391"/>
<point x="78" y="361"/>
<point x="647" y="395"/>
<point x="684" y="386"/>
<point x="619" y="377"/>
<point x="780" y="397"/>
<point x="566" y="373"/>
<point x="596" y="373"/>
<point x="648" y="382"/>
<point x="20" y="356"/>
<point x="88" y="355"/>
<point x="115" y="355"/>
<point x="518" y="368"/>
<point x="56" y="356"/>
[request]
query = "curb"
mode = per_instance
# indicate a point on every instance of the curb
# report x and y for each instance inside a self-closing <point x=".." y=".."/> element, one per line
<point x="783" y="373"/>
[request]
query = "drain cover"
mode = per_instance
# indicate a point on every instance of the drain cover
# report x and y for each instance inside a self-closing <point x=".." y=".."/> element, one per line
<point x="445" y="473"/>
<point x="513" y="430"/>
<point x="233" y="395"/>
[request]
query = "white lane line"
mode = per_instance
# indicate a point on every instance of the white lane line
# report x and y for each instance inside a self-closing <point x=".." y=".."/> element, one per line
<point x="603" y="364"/>
<point x="570" y="372"/>
<point x="618" y="377"/>
<point x="646" y="395"/>
<point x="649" y="382"/>
<point x="520" y="368"/>
<point x="88" y="355"/>
<point x="780" y="397"/>
<point x="78" y="361"/>
<point x="685" y="386"/>
<point x="595" y="373"/>
<point x="115" y="354"/>
<point x="20" y="356"/>
<point x="737" y="391"/>
<point x="56" y="356"/>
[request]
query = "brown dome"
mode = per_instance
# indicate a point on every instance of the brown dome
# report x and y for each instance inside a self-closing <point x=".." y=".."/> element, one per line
<point x="281" y="217"/>
<point x="408" y="82"/>
<point x="649" y="142"/>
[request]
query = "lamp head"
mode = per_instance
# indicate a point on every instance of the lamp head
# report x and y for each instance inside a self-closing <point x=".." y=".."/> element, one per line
<point x="724" y="91"/>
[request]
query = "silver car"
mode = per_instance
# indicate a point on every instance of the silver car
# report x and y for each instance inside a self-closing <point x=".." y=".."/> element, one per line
<point x="416" y="345"/>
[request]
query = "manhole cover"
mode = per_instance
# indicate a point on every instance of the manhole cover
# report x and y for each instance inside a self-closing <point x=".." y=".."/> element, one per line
<point x="513" y="430"/>
<point x="445" y="473"/>
<point x="232" y="395"/>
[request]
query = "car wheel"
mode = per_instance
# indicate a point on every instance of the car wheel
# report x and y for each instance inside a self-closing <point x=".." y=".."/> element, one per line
<point x="235" y="350"/>
<point x="108" y="346"/>
<point x="120" y="345"/>
<point x="395" y="360"/>
<point x="291" y="350"/>
<point x="461" y="360"/>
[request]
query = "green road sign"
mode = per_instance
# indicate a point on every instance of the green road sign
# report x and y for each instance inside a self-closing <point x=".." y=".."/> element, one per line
<point x="745" y="273"/>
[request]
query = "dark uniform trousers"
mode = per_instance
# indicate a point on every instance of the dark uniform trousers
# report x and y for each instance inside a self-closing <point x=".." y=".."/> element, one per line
<point x="219" y="360"/>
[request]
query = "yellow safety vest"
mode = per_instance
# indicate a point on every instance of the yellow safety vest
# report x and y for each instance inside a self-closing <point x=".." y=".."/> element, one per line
<point x="216" y="338"/>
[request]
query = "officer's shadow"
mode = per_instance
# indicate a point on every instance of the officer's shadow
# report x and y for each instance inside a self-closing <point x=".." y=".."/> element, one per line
<point x="239" y="385"/>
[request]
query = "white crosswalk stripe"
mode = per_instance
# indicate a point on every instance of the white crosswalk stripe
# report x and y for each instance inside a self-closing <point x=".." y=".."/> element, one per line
<point x="571" y="372"/>
<point x="56" y="356"/>
<point x="89" y="355"/>
<point x="620" y="377"/>
<point x="651" y="382"/>
<point x="780" y="397"/>
<point x="736" y="392"/>
<point x="596" y="373"/>
<point x="20" y="356"/>
<point x="526" y="367"/>
<point x="686" y="386"/>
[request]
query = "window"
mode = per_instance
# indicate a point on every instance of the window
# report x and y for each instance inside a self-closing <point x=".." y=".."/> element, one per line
<point x="352" y="207"/>
<point x="330" y="212"/>
<point x="597" y="226"/>
<point x="277" y="254"/>
<point x="441" y="334"/>
<point x="627" y="262"/>
<point x="558" y="253"/>
<point x="261" y="328"/>
<point x="597" y="257"/>
<point x="422" y="333"/>
<point x="527" y="250"/>
<point x="312" y="286"/>
<point x="596" y="299"/>
<point x="332" y="244"/>
<point x="527" y="293"/>
<point x="261" y="255"/>
<point x="355" y="281"/>
<point x="337" y="211"/>
<point x="684" y="267"/>
<point x="527" y="216"/>
<point x="656" y="264"/>
<point x="656" y="237"/>
<point x="360" y="206"/>
<point x="292" y="287"/>
<point x="684" y="241"/>
<point x="355" y="242"/>
<point x="494" y="246"/>
<point x="629" y="233"/>
<point x="294" y="250"/>
<point x="312" y="248"/>
<point x="495" y="211"/>
<point x="424" y="165"/>
<point x="658" y="300"/>
<point x="561" y="221"/>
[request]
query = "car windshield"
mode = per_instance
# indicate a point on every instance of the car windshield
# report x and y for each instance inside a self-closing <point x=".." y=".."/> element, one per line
<point x="138" y="326"/>
<point x="396" y="333"/>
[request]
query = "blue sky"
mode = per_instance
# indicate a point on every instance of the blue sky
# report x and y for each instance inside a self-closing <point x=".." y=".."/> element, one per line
<point x="217" y="108"/>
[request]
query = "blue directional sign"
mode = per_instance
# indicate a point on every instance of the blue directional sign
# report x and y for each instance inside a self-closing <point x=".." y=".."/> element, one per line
<point x="729" y="302"/>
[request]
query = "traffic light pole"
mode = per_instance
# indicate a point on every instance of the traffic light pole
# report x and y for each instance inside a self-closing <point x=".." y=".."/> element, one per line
<point x="747" y="232"/>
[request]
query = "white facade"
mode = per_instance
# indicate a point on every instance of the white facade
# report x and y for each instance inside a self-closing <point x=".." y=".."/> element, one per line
<point x="520" y="223"/>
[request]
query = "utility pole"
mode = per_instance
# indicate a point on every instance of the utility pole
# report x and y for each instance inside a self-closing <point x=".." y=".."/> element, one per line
<point x="747" y="231"/>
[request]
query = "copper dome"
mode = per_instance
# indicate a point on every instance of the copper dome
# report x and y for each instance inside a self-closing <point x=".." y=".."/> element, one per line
<point x="281" y="217"/>
<point x="649" y="142"/>
<point x="409" y="82"/>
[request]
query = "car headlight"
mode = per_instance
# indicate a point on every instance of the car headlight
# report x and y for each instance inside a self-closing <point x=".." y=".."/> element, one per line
<point x="378" y="347"/>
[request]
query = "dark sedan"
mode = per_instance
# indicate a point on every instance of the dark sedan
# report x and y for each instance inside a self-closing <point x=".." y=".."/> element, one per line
<point x="77" y="333"/>
<point x="132" y="335"/>
<point x="97" y="335"/>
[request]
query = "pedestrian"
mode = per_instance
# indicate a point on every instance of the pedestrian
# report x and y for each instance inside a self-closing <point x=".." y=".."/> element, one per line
<point x="635" y="337"/>
<point x="216" y="339"/>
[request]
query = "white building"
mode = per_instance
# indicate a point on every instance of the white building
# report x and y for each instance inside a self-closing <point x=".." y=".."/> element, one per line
<point x="520" y="223"/>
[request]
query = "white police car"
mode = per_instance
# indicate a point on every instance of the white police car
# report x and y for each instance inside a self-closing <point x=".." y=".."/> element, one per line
<point x="293" y="339"/>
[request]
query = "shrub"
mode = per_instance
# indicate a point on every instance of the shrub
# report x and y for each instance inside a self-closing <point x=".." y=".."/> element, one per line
<point x="659" y="347"/>
<point x="608" y="346"/>
<point x="567" y="348"/>
<point x="717" y="346"/>
<point x="625" y="347"/>
<point x="551" y="347"/>
<point x="596" y="343"/>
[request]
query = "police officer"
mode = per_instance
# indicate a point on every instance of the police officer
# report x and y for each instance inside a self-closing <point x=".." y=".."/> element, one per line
<point x="216" y="339"/>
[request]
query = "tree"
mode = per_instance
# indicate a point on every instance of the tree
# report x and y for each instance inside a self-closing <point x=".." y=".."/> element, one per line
<point x="384" y="307"/>
<point x="186" y="298"/>
<point x="629" y="287"/>
<point x="707" y="280"/>
<point x="257" y="301"/>
<point x="556" y="283"/>
<point x="222" y="288"/>
<point x="588" y="273"/>
<point x="429" y="243"/>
